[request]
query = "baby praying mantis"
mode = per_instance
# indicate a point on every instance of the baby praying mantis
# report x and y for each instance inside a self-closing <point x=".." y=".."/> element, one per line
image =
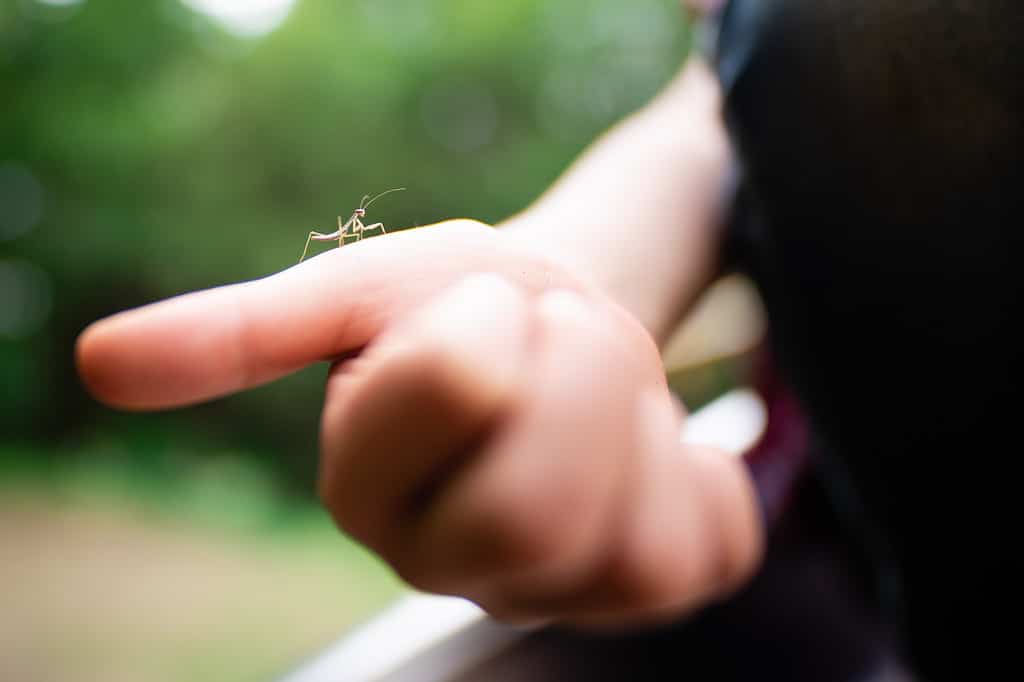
<point x="353" y="226"/>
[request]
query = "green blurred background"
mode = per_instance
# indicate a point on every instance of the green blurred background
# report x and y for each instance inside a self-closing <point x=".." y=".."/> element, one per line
<point x="153" y="147"/>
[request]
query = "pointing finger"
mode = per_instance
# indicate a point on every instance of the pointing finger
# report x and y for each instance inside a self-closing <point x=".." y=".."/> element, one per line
<point x="207" y="344"/>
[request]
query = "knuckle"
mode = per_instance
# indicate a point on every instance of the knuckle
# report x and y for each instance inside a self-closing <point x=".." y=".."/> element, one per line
<point x="429" y="372"/>
<point x="532" y="540"/>
<point x="459" y="389"/>
<point x="329" y="490"/>
<point x="349" y="510"/>
<point x="436" y="364"/>
<point x="531" y="528"/>
<point x="326" y="493"/>
<point x="740" y="558"/>
<point x="652" y="579"/>
<point x="360" y="525"/>
<point x="634" y="583"/>
<point x="499" y="532"/>
<point x="736" y="542"/>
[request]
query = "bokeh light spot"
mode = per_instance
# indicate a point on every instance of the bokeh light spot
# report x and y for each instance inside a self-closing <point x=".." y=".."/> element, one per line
<point x="245" y="18"/>
<point x="52" y="11"/>
<point x="21" y="200"/>
<point x="26" y="298"/>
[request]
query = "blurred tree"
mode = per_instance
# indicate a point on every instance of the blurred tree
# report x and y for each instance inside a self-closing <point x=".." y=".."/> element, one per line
<point x="168" y="154"/>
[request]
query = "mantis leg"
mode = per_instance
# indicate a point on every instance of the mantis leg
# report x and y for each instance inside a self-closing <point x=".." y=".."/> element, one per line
<point x="375" y="226"/>
<point x="318" y="237"/>
<point x="343" y="230"/>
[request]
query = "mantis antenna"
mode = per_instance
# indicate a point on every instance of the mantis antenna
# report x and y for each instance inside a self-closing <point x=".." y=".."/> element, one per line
<point x="367" y="204"/>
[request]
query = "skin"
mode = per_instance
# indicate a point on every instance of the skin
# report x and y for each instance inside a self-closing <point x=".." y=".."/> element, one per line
<point x="496" y="422"/>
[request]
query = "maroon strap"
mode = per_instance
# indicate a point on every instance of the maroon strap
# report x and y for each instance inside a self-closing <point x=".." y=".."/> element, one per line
<point x="780" y="457"/>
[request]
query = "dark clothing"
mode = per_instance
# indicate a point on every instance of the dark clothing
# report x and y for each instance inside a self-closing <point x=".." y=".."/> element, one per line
<point x="880" y="215"/>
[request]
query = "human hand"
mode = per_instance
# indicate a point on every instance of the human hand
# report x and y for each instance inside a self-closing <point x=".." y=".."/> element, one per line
<point x="506" y="437"/>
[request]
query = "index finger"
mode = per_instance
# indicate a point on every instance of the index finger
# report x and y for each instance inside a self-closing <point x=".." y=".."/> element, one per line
<point x="211" y="343"/>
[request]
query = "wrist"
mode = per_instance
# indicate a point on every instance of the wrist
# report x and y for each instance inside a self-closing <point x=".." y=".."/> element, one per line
<point x="538" y="236"/>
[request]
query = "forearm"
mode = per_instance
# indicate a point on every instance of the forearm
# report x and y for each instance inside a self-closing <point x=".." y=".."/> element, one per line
<point x="638" y="212"/>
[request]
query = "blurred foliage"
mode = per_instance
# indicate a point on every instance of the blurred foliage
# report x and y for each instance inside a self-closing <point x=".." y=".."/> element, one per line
<point x="145" y="151"/>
